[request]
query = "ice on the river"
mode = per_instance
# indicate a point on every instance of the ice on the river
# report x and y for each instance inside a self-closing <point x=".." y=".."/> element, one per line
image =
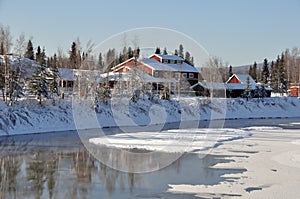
<point x="179" y="140"/>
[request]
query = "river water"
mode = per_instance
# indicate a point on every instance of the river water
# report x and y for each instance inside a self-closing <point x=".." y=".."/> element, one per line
<point x="57" y="165"/>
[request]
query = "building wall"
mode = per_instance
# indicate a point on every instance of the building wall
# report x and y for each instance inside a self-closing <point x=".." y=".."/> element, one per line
<point x="234" y="80"/>
<point x="294" y="91"/>
<point x="155" y="57"/>
<point x="145" y="68"/>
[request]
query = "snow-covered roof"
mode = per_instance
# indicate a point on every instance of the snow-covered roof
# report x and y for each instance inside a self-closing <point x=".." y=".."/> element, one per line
<point x="128" y="76"/>
<point x="228" y="86"/>
<point x="210" y="85"/>
<point x="66" y="74"/>
<point x="156" y="65"/>
<point x="169" y="57"/>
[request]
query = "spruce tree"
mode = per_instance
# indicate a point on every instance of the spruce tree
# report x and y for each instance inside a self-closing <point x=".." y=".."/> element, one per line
<point x="73" y="59"/>
<point x="53" y="81"/>
<point x="274" y="74"/>
<point x="282" y="74"/>
<point x="250" y="71"/>
<point x="100" y="61"/>
<point x="176" y="52"/>
<point x="157" y="50"/>
<point x="230" y="73"/>
<point x="180" y="52"/>
<point x="14" y="89"/>
<point x="130" y="52"/>
<point x="187" y="57"/>
<point x="265" y="72"/>
<point x="38" y="84"/>
<point x="29" y="51"/>
<point x="247" y="92"/>
<point x="165" y="51"/>
<point x="254" y="72"/>
<point x="38" y="55"/>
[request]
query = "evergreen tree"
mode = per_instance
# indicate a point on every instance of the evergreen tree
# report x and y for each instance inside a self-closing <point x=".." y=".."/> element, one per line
<point x="274" y="74"/>
<point x="136" y="52"/>
<point x="53" y="81"/>
<point x="265" y="72"/>
<point x="250" y="71"/>
<point x="230" y="73"/>
<point x="187" y="57"/>
<point x="192" y="61"/>
<point x="38" y="55"/>
<point x="130" y="52"/>
<point x="180" y="52"/>
<point x="282" y="75"/>
<point x="247" y="92"/>
<point x="176" y="52"/>
<point x="100" y="61"/>
<point x="38" y="84"/>
<point x="157" y="51"/>
<point x="73" y="59"/>
<point x="165" y="51"/>
<point x="254" y="72"/>
<point x="29" y="51"/>
<point x="54" y="63"/>
<point x="2" y="50"/>
<point x="15" y="89"/>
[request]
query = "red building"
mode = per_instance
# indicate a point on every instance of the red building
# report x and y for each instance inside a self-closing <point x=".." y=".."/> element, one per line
<point x="163" y="69"/>
<point x="294" y="89"/>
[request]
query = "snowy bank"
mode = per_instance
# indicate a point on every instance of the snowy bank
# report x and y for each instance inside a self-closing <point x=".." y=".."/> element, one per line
<point x="29" y="117"/>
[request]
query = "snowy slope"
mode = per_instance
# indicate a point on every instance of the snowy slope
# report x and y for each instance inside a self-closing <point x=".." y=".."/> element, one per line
<point x="29" y="117"/>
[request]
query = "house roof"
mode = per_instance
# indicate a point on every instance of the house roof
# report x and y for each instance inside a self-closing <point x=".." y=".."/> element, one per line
<point x="228" y="86"/>
<point x="158" y="66"/>
<point x="170" y="57"/>
<point x="124" y="62"/>
<point x="66" y="74"/>
<point x="242" y="78"/>
<point x="127" y="77"/>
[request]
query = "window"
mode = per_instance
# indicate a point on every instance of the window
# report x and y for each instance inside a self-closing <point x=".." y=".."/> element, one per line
<point x="156" y="74"/>
<point x="175" y="61"/>
<point x="177" y="75"/>
<point x="184" y="75"/>
<point x="191" y="75"/>
<point x="179" y="61"/>
<point x="165" y="61"/>
<point x="172" y="61"/>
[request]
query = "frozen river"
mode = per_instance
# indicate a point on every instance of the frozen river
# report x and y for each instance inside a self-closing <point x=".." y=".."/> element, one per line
<point x="57" y="165"/>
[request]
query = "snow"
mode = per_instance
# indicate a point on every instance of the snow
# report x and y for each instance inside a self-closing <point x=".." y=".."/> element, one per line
<point x="67" y="74"/>
<point x="272" y="162"/>
<point x="158" y="66"/>
<point x="175" y="141"/>
<point x="170" y="57"/>
<point x="27" y="116"/>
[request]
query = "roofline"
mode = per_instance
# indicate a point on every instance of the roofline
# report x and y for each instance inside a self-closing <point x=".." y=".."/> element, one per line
<point x="124" y="62"/>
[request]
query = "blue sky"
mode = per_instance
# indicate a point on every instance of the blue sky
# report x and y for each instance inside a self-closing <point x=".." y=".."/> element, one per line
<point x="239" y="32"/>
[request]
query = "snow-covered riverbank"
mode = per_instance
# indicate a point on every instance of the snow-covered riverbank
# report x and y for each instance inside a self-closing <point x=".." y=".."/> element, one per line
<point x="28" y="117"/>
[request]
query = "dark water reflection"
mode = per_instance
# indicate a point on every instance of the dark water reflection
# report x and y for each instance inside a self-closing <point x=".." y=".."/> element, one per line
<point x="58" y="166"/>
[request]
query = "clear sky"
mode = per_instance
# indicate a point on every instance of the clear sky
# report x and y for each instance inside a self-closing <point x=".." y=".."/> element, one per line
<point x="238" y="31"/>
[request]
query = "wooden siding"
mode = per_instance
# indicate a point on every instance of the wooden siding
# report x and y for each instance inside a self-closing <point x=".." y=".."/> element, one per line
<point x="234" y="80"/>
